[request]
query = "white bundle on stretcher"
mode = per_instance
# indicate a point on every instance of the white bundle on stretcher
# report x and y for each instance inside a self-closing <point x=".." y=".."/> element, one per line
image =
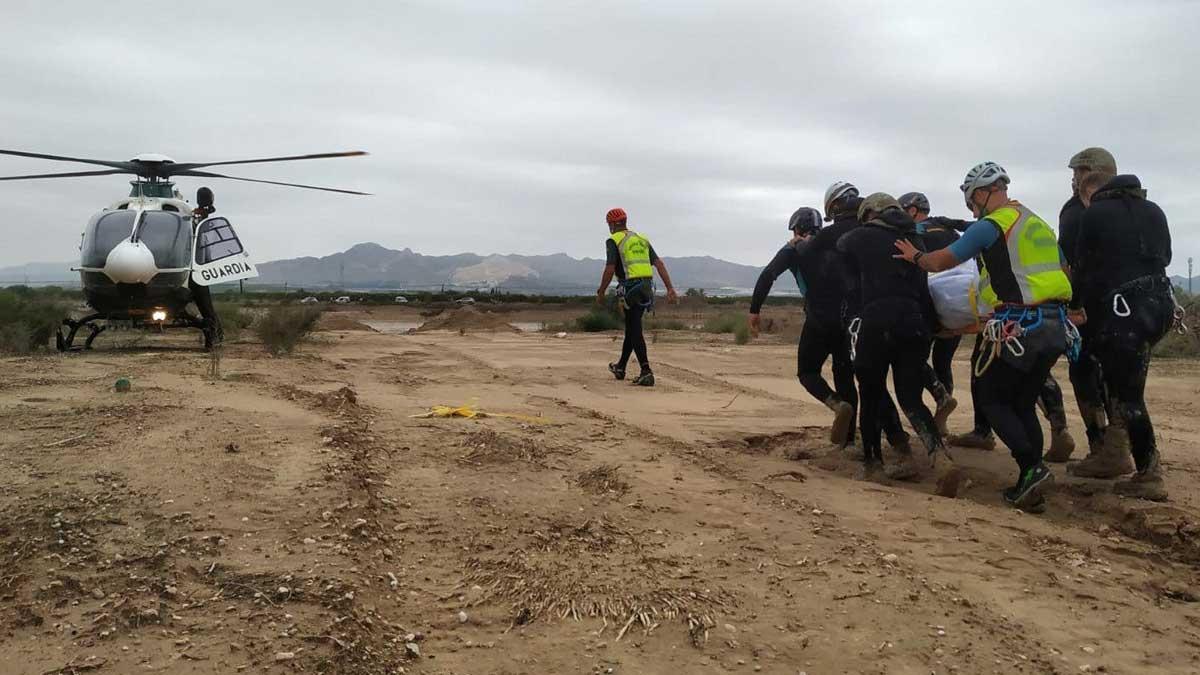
<point x="954" y="295"/>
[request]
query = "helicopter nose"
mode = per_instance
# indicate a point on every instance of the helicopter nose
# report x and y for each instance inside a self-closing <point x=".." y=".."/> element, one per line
<point x="130" y="262"/>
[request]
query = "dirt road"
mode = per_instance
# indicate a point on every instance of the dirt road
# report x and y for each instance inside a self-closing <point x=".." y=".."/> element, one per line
<point x="290" y="515"/>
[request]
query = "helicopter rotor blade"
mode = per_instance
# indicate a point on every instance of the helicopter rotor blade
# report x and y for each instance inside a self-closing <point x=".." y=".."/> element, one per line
<point x="209" y="174"/>
<point x="126" y="166"/>
<point x="69" y="174"/>
<point x="188" y="166"/>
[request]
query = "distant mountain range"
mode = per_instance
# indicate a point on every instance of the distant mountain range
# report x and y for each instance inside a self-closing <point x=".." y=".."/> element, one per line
<point x="371" y="266"/>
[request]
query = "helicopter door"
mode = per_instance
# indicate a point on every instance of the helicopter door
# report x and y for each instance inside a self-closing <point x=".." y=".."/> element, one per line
<point x="219" y="256"/>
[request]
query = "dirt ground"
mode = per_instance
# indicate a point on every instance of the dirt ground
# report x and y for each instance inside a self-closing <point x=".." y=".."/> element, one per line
<point x="286" y="515"/>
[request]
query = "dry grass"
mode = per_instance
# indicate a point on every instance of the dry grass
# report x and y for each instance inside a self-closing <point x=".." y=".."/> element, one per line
<point x="602" y="480"/>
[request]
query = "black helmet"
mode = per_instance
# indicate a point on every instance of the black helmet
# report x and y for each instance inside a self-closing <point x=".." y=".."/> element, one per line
<point x="916" y="200"/>
<point x="805" y="221"/>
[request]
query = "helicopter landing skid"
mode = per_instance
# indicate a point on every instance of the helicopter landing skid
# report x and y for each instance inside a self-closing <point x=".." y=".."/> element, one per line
<point x="66" y="342"/>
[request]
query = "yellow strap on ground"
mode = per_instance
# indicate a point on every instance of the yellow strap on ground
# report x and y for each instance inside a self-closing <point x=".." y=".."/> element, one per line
<point x="471" y="413"/>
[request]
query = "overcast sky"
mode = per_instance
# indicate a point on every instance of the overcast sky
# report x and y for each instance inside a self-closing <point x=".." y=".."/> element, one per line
<point x="507" y="127"/>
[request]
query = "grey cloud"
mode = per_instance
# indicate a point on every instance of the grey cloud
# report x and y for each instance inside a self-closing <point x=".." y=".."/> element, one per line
<point x="504" y="128"/>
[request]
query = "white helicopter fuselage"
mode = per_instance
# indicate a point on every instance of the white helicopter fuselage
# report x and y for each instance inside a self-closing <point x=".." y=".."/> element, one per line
<point x="142" y="253"/>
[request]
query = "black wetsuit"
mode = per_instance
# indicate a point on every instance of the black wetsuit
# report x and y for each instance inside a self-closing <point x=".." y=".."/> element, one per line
<point x="822" y="337"/>
<point x="1085" y="374"/>
<point x="1121" y="257"/>
<point x="892" y="301"/>
<point x="825" y="306"/>
<point x="638" y="297"/>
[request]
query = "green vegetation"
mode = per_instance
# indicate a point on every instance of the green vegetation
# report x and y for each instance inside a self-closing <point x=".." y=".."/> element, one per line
<point x="283" y="327"/>
<point x="725" y="322"/>
<point x="655" y="323"/>
<point x="234" y="318"/>
<point x="598" y="320"/>
<point x="29" y="317"/>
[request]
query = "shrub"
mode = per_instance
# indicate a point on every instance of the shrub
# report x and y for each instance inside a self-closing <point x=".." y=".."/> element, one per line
<point x="727" y="322"/>
<point x="283" y="327"/>
<point x="741" y="334"/>
<point x="233" y="317"/>
<point x="664" y="324"/>
<point x="28" y="319"/>
<point x="598" y="320"/>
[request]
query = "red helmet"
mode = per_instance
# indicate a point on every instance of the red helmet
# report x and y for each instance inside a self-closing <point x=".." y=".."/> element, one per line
<point x="617" y="215"/>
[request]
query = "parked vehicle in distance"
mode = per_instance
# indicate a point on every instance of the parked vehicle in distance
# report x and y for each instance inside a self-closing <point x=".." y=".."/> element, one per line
<point x="342" y="300"/>
<point x="310" y="300"/>
<point x="466" y="301"/>
<point x="401" y="300"/>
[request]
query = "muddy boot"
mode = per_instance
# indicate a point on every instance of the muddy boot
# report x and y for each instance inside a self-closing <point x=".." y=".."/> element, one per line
<point x="1110" y="460"/>
<point x="872" y="470"/>
<point x="1062" y="444"/>
<point x="973" y="439"/>
<point x="1147" y="484"/>
<point x="843" y="420"/>
<point x="617" y="371"/>
<point x="908" y="468"/>
<point x="945" y="406"/>
<point x="901" y="443"/>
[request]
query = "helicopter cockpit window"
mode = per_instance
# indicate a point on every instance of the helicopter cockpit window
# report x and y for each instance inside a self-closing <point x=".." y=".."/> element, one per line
<point x="216" y="241"/>
<point x="168" y="237"/>
<point x="103" y="234"/>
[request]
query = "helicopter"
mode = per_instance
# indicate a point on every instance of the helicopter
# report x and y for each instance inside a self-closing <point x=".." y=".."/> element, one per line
<point x="146" y="257"/>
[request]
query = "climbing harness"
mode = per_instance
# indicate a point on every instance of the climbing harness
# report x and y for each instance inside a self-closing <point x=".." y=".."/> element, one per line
<point x="1120" y="306"/>
<point x="855" y="325"/>
<point x="623" y="291"/>
<point x="1011" y="323"/>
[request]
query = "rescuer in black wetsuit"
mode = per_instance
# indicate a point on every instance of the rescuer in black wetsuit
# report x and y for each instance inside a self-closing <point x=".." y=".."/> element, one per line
<point x="892" y="329"/>
<point x="822" y="335"/>
<point x="1121" y="256"/>
<point x="1108" y="454"/>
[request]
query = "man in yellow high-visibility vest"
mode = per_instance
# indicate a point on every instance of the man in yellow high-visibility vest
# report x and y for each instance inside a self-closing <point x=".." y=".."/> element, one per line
<point x="632" y="259"/>
<point x="1022" y="280"/>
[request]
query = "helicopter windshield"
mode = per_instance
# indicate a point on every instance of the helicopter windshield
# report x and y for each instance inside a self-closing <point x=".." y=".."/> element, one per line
<point x="103" y="234"/>
<point x="168" y="237"/>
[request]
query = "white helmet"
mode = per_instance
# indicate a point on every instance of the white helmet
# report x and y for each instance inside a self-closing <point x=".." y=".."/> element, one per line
<point x="981" y="176"/>
<point x="835" y="192"/>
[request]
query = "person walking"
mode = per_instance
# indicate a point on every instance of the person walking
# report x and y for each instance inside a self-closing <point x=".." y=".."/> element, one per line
<point x="632" y="260"/>
<point x="1023" y="280"/>
<point x="1122" y="253"/>
<point x="1108" y="453"/>
<point x="893" y="328"/>
<point x="820" y="337"/>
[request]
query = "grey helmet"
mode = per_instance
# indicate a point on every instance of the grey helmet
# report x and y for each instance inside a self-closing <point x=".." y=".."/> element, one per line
<point x="805" y="221"/>
<point x="839" y="190"/>
<point x="981" y="176"/>
<point x="917" y="200"/>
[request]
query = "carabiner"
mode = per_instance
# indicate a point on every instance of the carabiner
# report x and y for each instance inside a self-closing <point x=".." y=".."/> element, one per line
<point x="1119" y="301"/>
<point x="855" y="325"/>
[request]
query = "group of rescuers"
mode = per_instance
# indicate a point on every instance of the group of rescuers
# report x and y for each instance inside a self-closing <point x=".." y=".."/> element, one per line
<point x="1098" y="292"/>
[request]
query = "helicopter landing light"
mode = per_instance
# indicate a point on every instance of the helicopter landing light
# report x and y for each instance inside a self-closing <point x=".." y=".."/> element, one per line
<point x="159" y="315"/>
